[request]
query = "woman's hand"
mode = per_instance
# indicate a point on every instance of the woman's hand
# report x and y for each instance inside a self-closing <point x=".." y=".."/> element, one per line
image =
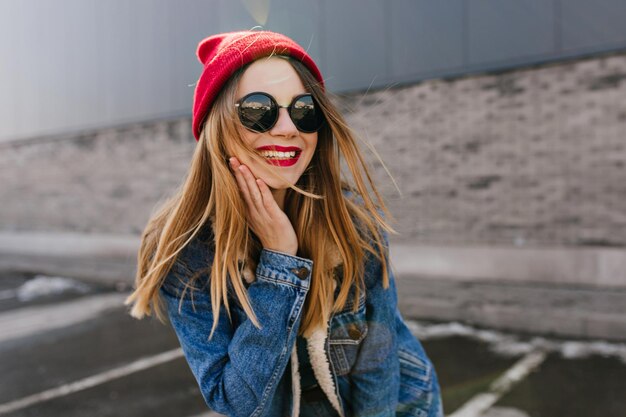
<point x="267" y="220"/>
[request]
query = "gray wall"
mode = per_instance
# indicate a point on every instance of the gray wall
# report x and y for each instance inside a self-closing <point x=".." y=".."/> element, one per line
<point x="78" y="64"/>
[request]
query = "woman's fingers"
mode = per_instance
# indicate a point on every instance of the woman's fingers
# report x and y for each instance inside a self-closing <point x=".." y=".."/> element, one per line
<point x="253" y="188"/>
<point x="268" y="199"/>
<point x="241" y="181"/>
<point x="249" y="187"/>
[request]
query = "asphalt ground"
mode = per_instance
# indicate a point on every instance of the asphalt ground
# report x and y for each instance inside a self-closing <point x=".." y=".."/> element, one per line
<point x="74" y="351"/>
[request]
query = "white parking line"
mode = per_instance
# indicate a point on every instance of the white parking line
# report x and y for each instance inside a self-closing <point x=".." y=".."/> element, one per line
<point x="480" y="403"/>
<point x="136" y="366"/>
<point x="31" y="320"/>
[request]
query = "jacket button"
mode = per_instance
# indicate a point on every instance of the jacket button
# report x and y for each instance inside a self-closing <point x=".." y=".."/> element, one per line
<point x="301" y="273"/>
<point x="354" y="332"/>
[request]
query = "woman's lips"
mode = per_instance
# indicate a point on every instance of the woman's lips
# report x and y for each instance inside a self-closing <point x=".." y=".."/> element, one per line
<point x="282" y="162"/>
<point x="278" y="148"/>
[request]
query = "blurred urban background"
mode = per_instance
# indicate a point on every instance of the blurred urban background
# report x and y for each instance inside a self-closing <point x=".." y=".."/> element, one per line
<point x="502" y="128"/>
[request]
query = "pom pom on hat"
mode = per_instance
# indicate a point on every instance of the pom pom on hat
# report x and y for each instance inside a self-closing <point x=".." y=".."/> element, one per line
<point x="225" y="53"/>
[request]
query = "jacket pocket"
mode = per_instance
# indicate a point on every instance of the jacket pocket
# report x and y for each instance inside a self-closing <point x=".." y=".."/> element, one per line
<point x="415" y="385"/>
<point x="347" y="331"/>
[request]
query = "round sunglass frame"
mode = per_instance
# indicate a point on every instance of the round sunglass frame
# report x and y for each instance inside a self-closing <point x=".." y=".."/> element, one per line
<point x="272" y="114"/>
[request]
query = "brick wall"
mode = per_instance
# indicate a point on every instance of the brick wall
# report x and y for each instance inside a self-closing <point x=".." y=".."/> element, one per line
<point x="532" y="156"/>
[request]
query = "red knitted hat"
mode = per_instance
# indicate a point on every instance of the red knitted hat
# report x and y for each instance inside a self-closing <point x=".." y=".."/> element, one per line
<point x="224" y="53"/>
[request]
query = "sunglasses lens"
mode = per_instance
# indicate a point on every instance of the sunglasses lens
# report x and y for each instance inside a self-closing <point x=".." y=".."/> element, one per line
<point x="306" y="115"/>
<point x="258" y="112"/>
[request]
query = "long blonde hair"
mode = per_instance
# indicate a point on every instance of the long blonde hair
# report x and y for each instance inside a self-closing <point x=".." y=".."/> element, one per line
<point x="322" y="217"/>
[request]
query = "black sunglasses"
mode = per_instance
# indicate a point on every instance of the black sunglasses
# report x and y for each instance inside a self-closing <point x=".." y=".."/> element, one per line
<point x="258" y="111"/>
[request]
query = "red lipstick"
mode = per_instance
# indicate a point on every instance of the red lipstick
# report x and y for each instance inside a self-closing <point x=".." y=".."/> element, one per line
<point x="282" y="162"/>
<point x="278" y="148"/>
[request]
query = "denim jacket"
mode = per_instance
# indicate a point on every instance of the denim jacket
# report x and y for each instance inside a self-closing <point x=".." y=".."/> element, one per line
<point x="367" y="363"/>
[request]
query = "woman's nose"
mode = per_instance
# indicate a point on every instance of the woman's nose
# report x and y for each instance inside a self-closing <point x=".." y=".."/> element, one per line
<point x="284" y="125"/>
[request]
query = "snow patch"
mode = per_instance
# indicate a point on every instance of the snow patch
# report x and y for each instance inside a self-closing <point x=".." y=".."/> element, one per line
<point x="507" y="344"/>
<point x="42" y="286"/>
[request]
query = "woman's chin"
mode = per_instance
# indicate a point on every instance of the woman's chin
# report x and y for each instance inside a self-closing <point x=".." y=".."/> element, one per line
<point x="274" y="185"/>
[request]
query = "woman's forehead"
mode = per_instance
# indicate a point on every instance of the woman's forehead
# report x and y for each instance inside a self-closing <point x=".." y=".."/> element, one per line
<point x="272" y="75"/>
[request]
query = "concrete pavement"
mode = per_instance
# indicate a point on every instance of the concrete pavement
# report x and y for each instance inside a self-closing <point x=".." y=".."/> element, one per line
<point x="79" y="353"/>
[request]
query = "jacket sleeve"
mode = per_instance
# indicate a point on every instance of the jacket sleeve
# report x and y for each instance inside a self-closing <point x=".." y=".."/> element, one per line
<point x="238" y="370"/>
<point x="375" y="375"/>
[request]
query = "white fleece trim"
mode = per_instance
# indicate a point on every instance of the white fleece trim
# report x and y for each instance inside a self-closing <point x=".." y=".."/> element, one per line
<point x="295" y="382"/>
<point x="321" y="365"/>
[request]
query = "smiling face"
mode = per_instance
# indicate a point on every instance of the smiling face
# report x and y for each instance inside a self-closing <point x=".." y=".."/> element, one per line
<point x="276" y="77"/>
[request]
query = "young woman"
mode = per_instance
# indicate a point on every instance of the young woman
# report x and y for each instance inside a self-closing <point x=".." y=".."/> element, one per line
<point x="272" y="269"/>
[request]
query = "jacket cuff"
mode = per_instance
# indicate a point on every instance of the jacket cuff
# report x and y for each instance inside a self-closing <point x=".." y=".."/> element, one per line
<point x="283" y="268"/>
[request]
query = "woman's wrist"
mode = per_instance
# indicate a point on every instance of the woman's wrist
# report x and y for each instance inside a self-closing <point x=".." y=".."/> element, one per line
<point x="287" y="251"/>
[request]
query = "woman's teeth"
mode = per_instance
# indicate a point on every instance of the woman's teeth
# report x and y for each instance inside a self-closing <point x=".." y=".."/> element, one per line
<point x="278" y="155"/>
